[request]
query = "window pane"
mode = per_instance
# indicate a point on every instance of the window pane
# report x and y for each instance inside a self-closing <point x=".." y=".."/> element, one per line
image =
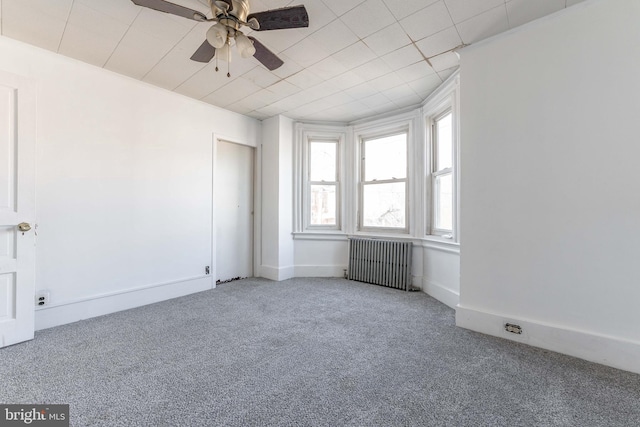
<point x="444" y="202"/>
<point x="322" y="161"/>
<point x="385" y="158"/>
<point x="323" y="205"/>
<point x="444" y="142"/>
<point x="384" y="205"/>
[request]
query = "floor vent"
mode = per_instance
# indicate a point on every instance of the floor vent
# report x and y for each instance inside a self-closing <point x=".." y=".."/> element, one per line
<point x="381" y="262"/>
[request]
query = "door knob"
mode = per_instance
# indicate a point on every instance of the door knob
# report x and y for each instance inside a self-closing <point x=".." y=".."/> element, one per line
<point x="24" y="226"/>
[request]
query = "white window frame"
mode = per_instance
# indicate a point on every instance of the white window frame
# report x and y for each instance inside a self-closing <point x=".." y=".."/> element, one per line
<point x="381" y="132"/>
<point x="307" y="133"/>
<point x="437" y="106"/>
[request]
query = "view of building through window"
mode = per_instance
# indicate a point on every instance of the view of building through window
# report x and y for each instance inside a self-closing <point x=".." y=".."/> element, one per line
<point x="384" y="182"/>
<point x="323" y="182"/>
<point x="442" y="174"/>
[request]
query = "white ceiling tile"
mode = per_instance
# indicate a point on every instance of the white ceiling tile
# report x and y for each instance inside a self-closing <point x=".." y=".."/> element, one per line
<point x="328" y="68"/>
<point x="137" y="53"/>
<point x="445" y="74"/>
<point x="319" y="15"/>
<point x="203" y="82"/>
<point x="261" y="76"/>
<point x="425" y="85"/>
<point x="86" y="46"/>
<point x="403" y="8"/>
<point x="572" y="2"/>
<point x="163" y="26"/>
<point x="445" y="61"/>
<point x="387" y="39"/>
<point x="319" y="92"/>
<point x="372" y="69"/>
<point x="523" y="11"/>
<point x="265" y="97"/>
<point x="409" y="100"/>
<point x="354" y="56"/>
<point x="283" y="88"/>
<point x="403" y="57"/>
<point x="374" y="100"/>
<point x="461" y="10"/>
<point x="368" y="17"/>
<point x="232" y="92"/>
<point x="173" y="69"/>
<point x="279" y="41"/>
<point x="346" y="81"/>
<point x="427" y="21"/>
<point x="400" y="91"/>
<point x="122" y="11"/>
<point x="362" y="91"/>
<point x="386" y="82"/>
<point x="415" y="71"/>
<point x="56" y="9"/>
<point x="46" y="31"/>
<point x="288" y="68"/>
<point x="332" y="38"/>
<point x="484" y="25"/>
<point x="439" y="42"/>
<point x="95" y="22"/>
<point x="305" y="79"/>
<point x="340" y="7"/>
<point x="289" y="103"/>
<point x="307" y="52"/>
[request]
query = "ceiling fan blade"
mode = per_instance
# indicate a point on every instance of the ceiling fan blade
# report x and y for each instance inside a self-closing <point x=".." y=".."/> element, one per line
<point x="205" y="53"/>
<point x="280" y="19"/>
<point x="265" y="56"/>
<point x="174" y="9"/>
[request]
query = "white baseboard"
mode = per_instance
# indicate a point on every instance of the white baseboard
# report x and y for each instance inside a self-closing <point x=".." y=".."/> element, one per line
<point x="441" y="293"/>
<point x="85" y="308"/>
<point x="603" y="349"/>
<point x="277" y="273"/>
<point x="320" y="270"/>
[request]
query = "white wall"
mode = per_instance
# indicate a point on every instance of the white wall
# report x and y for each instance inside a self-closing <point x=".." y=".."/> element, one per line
<point x="124" y="184"/>
<point x="550" y="183"/>
<point x="276" y="257"/>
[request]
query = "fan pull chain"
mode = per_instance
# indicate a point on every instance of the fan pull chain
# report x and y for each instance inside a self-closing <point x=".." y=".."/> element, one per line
<point x="229" y="60"/>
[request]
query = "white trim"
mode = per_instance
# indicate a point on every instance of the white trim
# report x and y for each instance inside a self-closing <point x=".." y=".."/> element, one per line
<point x="75" y="310"/>
<point x="433" y="242"/>
<point x="318" y="235"/>
<point x="320" y="270"/>
<point x="443" y="294"/>
<point x="277" y="273"/>
<point x="604" y="349"/>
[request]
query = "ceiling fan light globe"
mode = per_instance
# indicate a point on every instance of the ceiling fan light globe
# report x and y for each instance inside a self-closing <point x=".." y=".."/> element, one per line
<point x="245" y="46"/>
<point x="217" y="35"/>
<point x="224" y="53"/>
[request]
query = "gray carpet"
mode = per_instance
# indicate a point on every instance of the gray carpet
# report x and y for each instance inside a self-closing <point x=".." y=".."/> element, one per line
<point x="307" y="352"/>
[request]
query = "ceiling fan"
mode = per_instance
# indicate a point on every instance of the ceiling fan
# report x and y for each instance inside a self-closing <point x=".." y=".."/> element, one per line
<point x="229" y="16"/>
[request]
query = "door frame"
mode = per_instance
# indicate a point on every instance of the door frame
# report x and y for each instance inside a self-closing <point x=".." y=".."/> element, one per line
<point x="257" y="202"/>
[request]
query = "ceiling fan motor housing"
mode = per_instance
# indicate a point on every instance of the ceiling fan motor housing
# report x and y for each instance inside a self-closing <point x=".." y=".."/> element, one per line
<point x="238" y="13"/>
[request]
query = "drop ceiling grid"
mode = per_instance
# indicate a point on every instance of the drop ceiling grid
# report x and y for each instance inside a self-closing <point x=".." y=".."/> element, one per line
<point x="357" y="57"/>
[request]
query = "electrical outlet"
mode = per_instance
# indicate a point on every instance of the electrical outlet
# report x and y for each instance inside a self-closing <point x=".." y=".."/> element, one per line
<point x="42" y="298"/>
<point x="514" y="329"/>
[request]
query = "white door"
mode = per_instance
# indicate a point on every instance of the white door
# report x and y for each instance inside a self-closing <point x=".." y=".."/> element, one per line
<point x="234" y="211"/>
<point x="17" y="195"/>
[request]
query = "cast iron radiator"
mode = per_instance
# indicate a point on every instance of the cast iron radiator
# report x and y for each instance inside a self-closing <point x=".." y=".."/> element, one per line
<point x="381" y="262"/>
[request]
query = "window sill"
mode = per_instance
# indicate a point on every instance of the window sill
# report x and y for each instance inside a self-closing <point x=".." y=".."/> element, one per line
<point x="333" y="235"/>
